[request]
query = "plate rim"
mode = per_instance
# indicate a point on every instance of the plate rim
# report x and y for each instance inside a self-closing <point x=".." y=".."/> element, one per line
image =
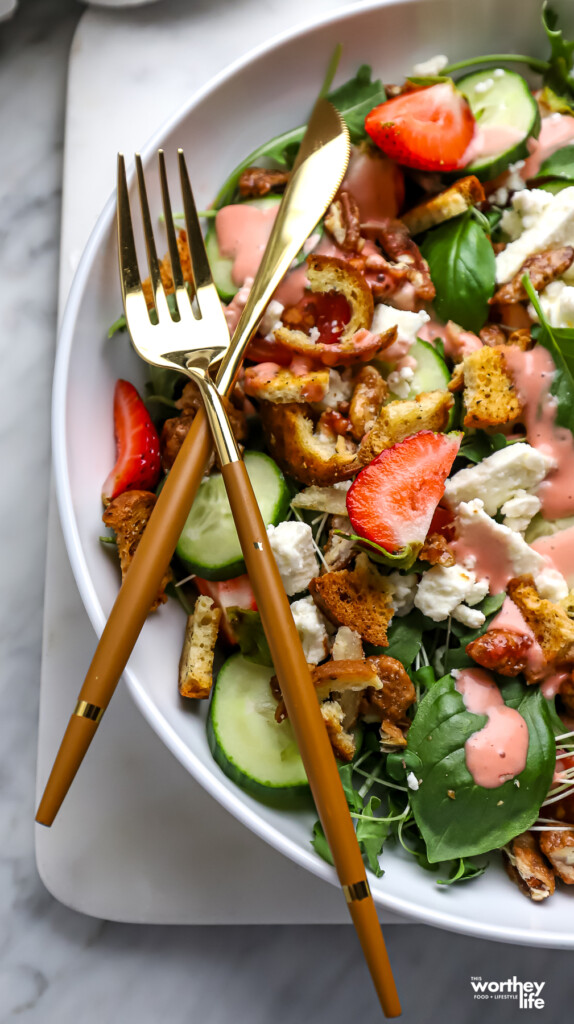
<point x="248" y="816"/>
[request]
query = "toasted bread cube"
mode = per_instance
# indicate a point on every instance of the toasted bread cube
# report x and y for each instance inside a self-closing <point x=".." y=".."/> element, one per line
<point x="401" y="419"/>
<point x="490" y="395"/>
<point x="552" y="627"/>
<point x="451" y="203"/>
<point x="358" y="598"/>
<point x="196" y="662"/>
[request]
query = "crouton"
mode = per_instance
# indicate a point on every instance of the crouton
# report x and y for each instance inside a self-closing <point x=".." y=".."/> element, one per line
<point x="551" y="626"/>
<point x="310" y="457"/>
<point x="165" y="270"/>
<point x="347" y="645"/>
<point x="456" y="382"/>
<point x="128" y="516"/>
<point x="451" y="203"/>
<point x="276" y="384"/>
<point x="358" y="598"/>
<point x="324" y="499"/>
<point x="348" y="674"/>
<point x="526" y="866"/>
<point x="558" y="846"/>
<point x="342" y="742"/>
<point x="490" y="395"/>
<point x="401" y="419"/>
<point x="196" y="661"/>
<point x="369" y="394"/>
<point x="329" y="274"/>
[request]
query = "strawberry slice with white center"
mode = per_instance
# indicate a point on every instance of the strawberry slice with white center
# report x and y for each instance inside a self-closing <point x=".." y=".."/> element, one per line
<point x="138" y="464"/>
<point x="392" y="501"/>
<point x="428" y="129"/>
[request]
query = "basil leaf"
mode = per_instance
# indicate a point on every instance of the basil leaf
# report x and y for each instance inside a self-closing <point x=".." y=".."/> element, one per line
<point x="559" y="341"/>
<point x="559" y="74"/>
<point x="354" y="99"/>
<point x="462" y="268"/>
<point x="475" y="821"/>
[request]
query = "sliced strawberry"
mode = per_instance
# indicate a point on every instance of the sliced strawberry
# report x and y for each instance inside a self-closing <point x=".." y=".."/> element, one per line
<point x="427" y="128"/>
<point x="263" y="351"/>
<point x="138" y="463"/>
<point x="234" y="593"/>
<point x="393" y="499"/>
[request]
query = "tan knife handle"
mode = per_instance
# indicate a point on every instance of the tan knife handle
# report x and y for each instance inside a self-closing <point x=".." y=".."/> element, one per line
<point x="305" y="716"/>
<point x="129" y="612"/>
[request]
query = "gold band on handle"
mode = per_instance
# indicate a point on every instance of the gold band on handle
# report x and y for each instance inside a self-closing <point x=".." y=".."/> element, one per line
<point x="357" y="891"/>
<point x="84" y="709"/>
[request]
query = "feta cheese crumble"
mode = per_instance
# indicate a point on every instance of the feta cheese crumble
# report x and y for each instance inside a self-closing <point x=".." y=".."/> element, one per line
<point x="402" y="592"/>
<point x="340" y="390"/>
<point x="431" y="67"/>
<point x="537" y="221"/>
<point x="292" y="545"/>
<point x="408" y="323"/>
<point x="519" y="510"/>
<point x="500" y="477"/>
<point x="311" y="627"/>
<point x="412" y="781"/>
<point x="271" y="319"/>
<point x="444" y="589"/>
<point x="400" y="381"/>
<point x="557" y="303"/>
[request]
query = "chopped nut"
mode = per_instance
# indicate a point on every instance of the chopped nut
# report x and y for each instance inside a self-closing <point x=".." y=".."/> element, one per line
<point x="526" y="866"/>
<point x="260" y="181"/>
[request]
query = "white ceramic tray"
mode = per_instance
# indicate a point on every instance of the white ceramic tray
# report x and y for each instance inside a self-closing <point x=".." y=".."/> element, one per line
<point x="137" y="838"/>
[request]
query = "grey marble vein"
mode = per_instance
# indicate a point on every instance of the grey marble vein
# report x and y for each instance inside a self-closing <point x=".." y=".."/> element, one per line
<point x="55" y="964"/>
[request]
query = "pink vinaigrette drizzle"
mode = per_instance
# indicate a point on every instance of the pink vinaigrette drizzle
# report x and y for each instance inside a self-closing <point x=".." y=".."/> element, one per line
<point x="497" y="752"/>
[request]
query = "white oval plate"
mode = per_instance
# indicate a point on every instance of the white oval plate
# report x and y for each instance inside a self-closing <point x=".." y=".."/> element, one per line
<point x="269" y="91"/>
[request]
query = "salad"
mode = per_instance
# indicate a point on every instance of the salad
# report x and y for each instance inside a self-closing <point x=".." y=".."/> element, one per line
<point x="407" y="414"/>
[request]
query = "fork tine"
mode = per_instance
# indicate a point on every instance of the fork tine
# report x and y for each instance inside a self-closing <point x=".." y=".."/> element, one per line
<point x="160" y="298"/>
<point x="176" y="270"/>
<point x="199" y="261"/>
<point x="129" y="272"/>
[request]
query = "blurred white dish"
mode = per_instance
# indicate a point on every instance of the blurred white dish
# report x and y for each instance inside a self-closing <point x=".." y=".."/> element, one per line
<point x="267" y="92"/>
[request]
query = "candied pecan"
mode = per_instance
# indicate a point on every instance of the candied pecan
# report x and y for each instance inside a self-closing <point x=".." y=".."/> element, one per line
<point x="405" y="256"/>
<point x="259" y="181"/>
<point x="344" y="224"/>
<point x="173" y="434"/>
<point x="501" y="651"/>
<point x="368" y="396"/>
<point x="397" y="693"/>
<point x="528" y="868"/>
<point x="522" y="338"/>
<point x="331" y="423"/>
<point x="128" y="515"/>
<point x="436" y="550"/>
<point x="492" y="334"/>
<point x="542" y="268"/>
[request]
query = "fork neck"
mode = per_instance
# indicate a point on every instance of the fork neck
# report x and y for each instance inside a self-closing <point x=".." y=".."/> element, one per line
<point x="219" y="425"/>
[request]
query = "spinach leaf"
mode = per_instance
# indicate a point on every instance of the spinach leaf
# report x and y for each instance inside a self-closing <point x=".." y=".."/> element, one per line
<point x="462" y="268"/>
<point x="354" y="99"/>
<point x="559" y="165"/>
<point x="405" y="637"/>
<point x="559" y="341"/>
<point x="320" y="844"/>
<point x="478" y="445"/>
<point x="475" y="821"/>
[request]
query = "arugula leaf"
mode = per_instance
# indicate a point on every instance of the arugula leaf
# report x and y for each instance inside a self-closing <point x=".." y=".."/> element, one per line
<point x="463" y="871"/>
<point x="371" y="834"/>
<point x="475" y="821"/>
<point x="320" y="844"/>
<point x="559" y="74"/>
<point x="354" y="99"/>
<point x="248" y="629"/>
<point x="462" y="269"/>
<point x="559" y="341"/>
<point x="402" y="559"/>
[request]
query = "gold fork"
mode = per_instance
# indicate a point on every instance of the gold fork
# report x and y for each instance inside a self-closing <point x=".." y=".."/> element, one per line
<point x="194" y="344"/>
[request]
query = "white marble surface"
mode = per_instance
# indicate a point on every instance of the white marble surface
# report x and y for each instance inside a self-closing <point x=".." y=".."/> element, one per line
<point x="57" y="965"/>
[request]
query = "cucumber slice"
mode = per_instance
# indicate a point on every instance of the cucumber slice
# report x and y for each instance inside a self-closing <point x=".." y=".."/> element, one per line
<point x="506" y="103"/>
<point x="209" y="545"/>
<point x="431" y="372"/>
<point x="255" y="751"/>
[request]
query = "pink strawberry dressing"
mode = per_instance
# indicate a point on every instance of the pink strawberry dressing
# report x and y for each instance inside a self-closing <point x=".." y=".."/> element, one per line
<point x="532" y="373"/>
<point x="497" y="752"/>
<point x="555" y="131"/>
